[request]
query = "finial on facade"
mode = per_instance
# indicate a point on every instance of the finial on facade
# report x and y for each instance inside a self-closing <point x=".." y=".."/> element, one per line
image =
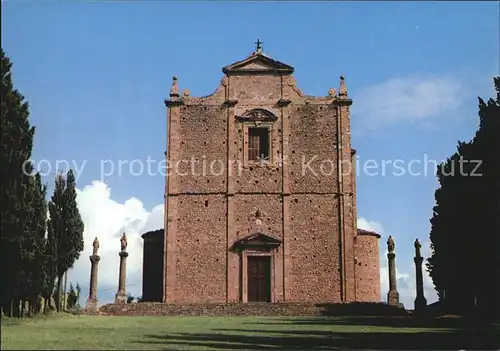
<point x="390" y="244"/>
<point x="417" y="248"/>
<point x="174" y="91"/>
<point x="343" y="89"/>
<point x="258" y="48"/>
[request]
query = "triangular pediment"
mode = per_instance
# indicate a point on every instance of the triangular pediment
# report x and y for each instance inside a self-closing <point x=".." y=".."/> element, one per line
<point x="258" y="240"/>
<point x="257" y="64"/>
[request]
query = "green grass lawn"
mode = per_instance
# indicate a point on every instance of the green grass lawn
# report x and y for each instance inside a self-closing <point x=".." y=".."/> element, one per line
<point x="237" y="333"/>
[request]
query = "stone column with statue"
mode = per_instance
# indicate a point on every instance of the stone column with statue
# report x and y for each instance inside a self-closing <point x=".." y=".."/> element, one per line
<point x="393" y="294"/>
<point x="92" y="302"/>
<point x="420" y="301"/>
<point x="121" y="295"/>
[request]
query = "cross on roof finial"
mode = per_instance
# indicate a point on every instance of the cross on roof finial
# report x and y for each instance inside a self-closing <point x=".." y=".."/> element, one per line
<point x="259" y="46"/>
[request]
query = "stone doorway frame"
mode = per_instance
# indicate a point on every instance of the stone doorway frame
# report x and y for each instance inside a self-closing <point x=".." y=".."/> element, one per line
<point x="257" y="244"/>
<point x="244" y="272"/>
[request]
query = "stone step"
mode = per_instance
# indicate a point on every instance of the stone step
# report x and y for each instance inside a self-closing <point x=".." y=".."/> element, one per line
<point x="250" y="309"/>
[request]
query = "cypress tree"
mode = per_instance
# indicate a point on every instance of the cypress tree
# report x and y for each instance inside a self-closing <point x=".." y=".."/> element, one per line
<point x="465" y="238"/>
<point x="487" y="220"/>
<point x="449" y="226"/>
<point x="49" y="265"/>
<point x="73" y="238"/>
<point x="38" y="230"/>
<point x="16" y="148"/>
<point x="65" y="227"/>
<point x="55" y="248"/>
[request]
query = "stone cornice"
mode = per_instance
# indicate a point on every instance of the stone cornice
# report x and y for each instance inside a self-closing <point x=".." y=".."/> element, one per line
<point x="284" y="102"/>
<point x="230" y="103"/>
<point x="343" y="102"/>
<point x="257" y="241"/>
<point x="173" y="103"/>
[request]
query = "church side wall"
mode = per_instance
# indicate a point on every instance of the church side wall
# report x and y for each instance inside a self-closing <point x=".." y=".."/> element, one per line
<point x="152" y="273"/>
<point x="367" y="268"/>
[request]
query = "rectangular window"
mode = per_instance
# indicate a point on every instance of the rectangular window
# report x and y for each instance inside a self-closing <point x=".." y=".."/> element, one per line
<point x="258" y="144"/>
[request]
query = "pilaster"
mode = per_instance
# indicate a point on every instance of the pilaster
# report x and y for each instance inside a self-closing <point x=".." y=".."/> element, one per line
<point x="284" y="104"/>
<point x="172" y="190"/>
<point x="232" y="259"/>
<point x="345" y="192"/>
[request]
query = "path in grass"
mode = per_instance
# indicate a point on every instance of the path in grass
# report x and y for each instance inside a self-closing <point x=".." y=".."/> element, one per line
<point x="233" y="333"/>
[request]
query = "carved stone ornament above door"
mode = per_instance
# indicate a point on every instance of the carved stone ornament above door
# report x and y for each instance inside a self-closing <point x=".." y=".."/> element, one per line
<point x="257" y="115"/>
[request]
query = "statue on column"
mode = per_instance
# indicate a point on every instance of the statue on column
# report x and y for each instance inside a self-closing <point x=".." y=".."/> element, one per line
<point x="95" y="246"/>
<point x="390" y="244"/>
<point x="420" y="301"/>
<point x="393" y="294"/>
<point x="123" y="242"/>
<point x="92" y="302"/>
<point x="121" y="294"/>
<point x="418" y="246"/>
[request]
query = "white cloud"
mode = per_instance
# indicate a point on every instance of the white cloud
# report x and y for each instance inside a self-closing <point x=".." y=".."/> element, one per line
<point x="370" y="225"/>
<point x="412" y="99"/>
<point x="107" y="219"/>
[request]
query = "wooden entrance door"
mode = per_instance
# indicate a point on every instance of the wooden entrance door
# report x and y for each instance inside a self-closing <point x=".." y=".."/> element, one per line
<point x="259" y="279"/>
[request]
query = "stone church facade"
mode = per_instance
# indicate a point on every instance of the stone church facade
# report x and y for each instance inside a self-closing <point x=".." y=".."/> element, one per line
<point x="260" y="197"/>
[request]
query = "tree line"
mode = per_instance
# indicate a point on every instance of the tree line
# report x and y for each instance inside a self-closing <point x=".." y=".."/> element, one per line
<point x="465" y="226"/>
<point x="40" y="240"/>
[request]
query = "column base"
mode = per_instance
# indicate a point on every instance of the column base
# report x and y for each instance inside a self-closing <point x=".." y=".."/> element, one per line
<point x="92" y="305"/>
<point x="121" y="297"/>
<point x="393" y="298"/>
<point x="420" y="303"/>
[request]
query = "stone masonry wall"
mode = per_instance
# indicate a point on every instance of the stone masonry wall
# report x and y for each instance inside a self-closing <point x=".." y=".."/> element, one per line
<point x="203" y="149"/>
<point x="201" y="248"/>
<point x="367" y="267"/>
<point x="312" y="159"/>
<point x="253" y="309"/>
<point x="256" y="88"/>
<point x="270" y="207"/>
<point x="314" y="228"/>
<point x="314" y="249"/>
<point x="209" y="208"/>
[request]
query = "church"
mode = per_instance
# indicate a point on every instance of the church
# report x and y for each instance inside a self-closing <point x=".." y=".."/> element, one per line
<point x="260" y="195"/>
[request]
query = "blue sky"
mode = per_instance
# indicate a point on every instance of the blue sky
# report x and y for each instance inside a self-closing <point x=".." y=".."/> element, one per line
<point x="96" y="75"/>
